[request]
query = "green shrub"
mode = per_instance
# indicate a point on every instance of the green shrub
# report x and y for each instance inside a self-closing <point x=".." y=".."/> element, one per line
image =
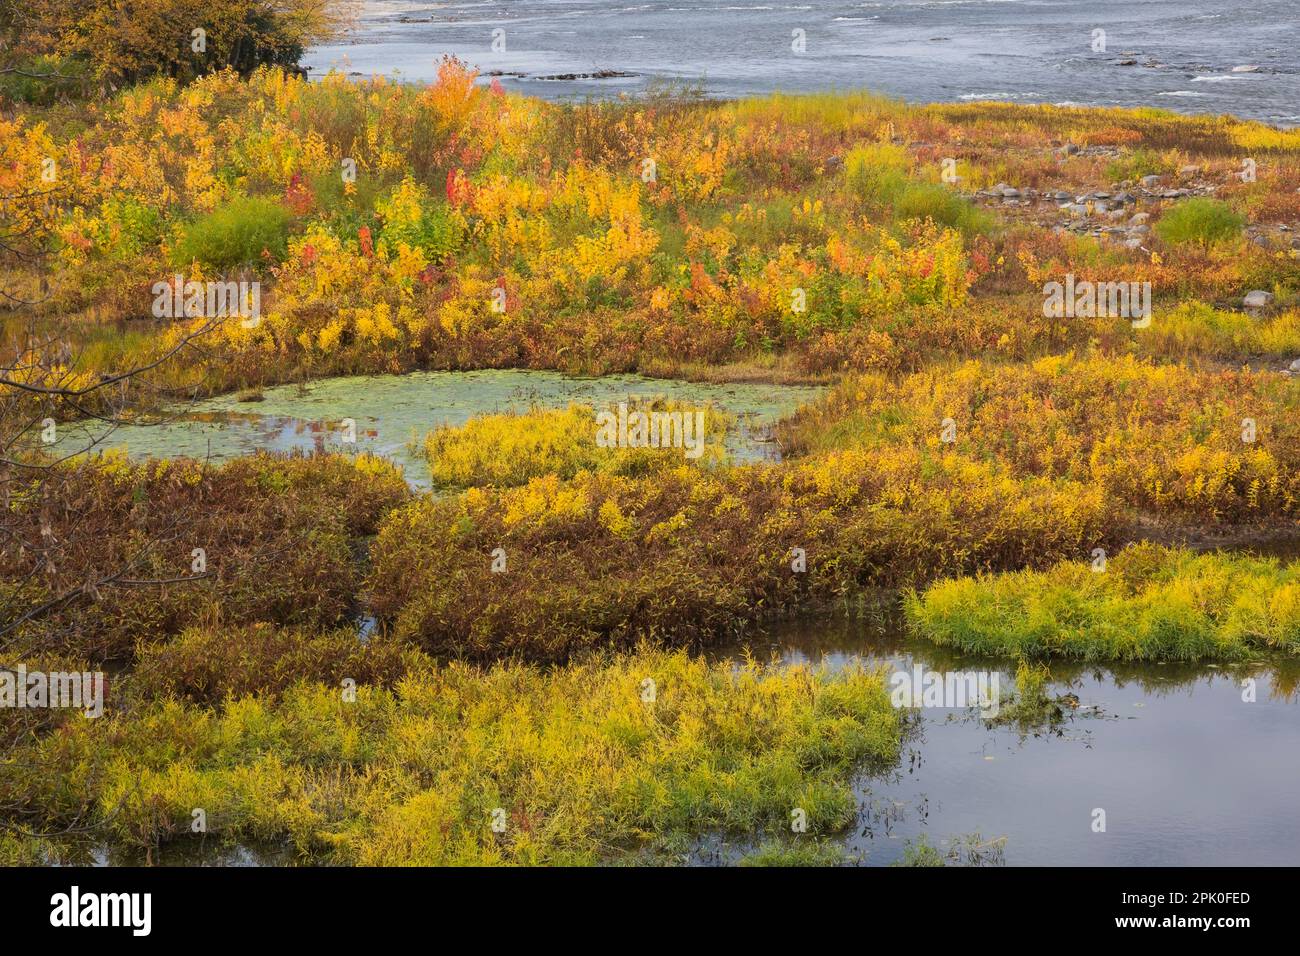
<point x="128" y="229"/>
<point x="48" y="79"/>
<point x="946" y="208"/>
<point x="237" y="234"/>
<point x="126" y="47"/>
<point x="1200" y="221"/>
<point x="920" y="852"/>
<point x="411" y="216"/>
<point x="1135" y="165"/>
<point x="877" y="172"/>
<point x="586" y="768"/>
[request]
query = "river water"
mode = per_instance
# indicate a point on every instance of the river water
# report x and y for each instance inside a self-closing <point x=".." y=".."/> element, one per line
<point x="1177" y="54"/>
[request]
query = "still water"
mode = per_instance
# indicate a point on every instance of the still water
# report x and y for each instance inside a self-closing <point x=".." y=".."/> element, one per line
<point x="1187" y="771"/>
<point x="389" y="411"/>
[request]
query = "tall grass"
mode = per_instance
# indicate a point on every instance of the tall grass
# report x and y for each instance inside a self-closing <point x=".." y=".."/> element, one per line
<point x="589" y="763"/>
<point x="1150" y="603"/>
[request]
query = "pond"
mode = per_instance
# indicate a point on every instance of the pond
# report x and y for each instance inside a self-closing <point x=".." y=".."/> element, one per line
<point x="388" y="411"/>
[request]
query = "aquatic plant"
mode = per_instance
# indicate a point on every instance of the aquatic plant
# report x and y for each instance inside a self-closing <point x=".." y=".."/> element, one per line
<point x="1149" y="603"/>
<point x="457" y="765"/>
<point x="513" y="448"/>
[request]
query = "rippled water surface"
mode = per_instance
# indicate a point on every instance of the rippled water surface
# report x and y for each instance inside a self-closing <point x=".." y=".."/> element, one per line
<point x="1178" y="54"/>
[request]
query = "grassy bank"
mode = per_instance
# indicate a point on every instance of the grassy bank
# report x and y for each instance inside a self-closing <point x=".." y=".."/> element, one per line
<point x="482" y="229"/>
<point x="1149" y="604"/>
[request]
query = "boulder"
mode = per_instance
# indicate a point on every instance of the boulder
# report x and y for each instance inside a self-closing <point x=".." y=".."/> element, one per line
<point x="1257" y="299"/>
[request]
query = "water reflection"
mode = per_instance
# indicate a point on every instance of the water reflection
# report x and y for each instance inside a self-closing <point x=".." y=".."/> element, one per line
<point x="1188" y="770"/>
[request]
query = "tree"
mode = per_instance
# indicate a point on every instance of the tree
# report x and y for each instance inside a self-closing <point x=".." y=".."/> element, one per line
<point x="125" y="41"/>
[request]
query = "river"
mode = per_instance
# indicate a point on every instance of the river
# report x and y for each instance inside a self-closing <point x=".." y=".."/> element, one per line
<point x="1176" y="54"/>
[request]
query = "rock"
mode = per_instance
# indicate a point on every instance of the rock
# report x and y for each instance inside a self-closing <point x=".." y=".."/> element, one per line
<point x="1127" y="63"/>
<point x="1010" y="192"/>
<point x="1100" y="206"/>
<point x="1116" y="214"/>
<point x="1247" y="68"/>
<point x="1100" y="195"/>
<point x="1149" y="181"/>
<point x="1124" y="198"/>
<point x="1141" y="229"/>
<point x="1257" y="299"/>
<point x="1076" y="208"/>
<point x="1294" y="366"/>
<point x="1190" y="171"/>
<point x="1140" y="219"/>
<point x="1133" y="243"/>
